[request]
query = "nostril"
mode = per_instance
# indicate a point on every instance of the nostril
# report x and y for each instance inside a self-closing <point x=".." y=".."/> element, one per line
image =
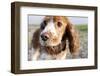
<point x="44" y="37"/>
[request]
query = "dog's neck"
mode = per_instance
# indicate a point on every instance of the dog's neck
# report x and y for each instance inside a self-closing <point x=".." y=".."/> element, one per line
<point x="54" y="50"/>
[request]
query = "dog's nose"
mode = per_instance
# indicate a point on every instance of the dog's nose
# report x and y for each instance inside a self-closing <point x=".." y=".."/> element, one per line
<point x="44" y="37"/>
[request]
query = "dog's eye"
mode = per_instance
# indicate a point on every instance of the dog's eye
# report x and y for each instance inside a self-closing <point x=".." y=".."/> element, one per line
<point x="43" y="24"/>
<point x="59" y="24"/>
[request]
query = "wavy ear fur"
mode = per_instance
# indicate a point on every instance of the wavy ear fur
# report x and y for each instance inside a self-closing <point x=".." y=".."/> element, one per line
<point x="73" y="39"/>
<point x="35" y="39"/>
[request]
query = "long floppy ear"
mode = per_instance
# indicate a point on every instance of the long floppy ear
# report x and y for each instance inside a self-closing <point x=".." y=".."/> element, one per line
<point x="73" y="38"/>
<point x="35" y="39"/>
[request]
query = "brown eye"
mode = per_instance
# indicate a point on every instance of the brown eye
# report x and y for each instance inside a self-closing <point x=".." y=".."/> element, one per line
<point x="59" y="24"/>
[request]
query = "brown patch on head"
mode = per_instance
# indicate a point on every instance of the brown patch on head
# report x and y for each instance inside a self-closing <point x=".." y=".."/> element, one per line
<point x="61" y="24"/>
<point x="60" y="18"/>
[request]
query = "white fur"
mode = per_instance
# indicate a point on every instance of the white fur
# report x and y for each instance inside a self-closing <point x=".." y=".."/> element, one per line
<point x="36" y="54"/>
<point x="50" y="27"/>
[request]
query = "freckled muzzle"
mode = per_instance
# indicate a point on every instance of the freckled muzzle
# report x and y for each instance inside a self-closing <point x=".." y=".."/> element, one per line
<point x="44" y="36"/>
<point x="49" y="39"/>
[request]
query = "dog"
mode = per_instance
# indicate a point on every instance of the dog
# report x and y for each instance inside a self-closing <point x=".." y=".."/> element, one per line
<point x="55" y="37"/>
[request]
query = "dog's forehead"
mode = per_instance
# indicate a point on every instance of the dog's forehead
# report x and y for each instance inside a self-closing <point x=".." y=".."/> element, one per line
<point x="56" y="18"/>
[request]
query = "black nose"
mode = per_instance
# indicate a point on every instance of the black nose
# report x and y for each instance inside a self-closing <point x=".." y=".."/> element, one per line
<point x="44" y="37"/>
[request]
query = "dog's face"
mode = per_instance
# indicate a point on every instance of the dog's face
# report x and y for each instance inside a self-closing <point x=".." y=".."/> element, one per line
<point x="52" y="30"/>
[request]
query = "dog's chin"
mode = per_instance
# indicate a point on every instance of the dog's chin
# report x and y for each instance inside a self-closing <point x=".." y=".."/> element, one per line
<point x="50" y="44"/>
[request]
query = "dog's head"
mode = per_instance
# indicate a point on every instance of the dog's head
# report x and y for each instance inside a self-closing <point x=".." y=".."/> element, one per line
<point x="56" y="29"/>
<point x="52" y="30"/>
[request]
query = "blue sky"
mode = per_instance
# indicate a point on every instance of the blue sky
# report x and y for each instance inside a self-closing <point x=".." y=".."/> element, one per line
<point x="75" y="20"/>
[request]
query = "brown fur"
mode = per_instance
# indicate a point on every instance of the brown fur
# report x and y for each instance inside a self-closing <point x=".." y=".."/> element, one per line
<point x="35" y="40"/>
<point x="54" y="50"/>
<point x="73" y="39"/>
<point x="68" y="32"/>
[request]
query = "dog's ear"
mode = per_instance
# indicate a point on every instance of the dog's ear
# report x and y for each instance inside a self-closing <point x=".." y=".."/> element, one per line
<point x="73" y="39"/>
<point x="35" y="39"/>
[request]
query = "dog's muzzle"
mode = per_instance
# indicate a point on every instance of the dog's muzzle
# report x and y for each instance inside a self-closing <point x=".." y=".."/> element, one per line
<point x="44" y="36"/>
